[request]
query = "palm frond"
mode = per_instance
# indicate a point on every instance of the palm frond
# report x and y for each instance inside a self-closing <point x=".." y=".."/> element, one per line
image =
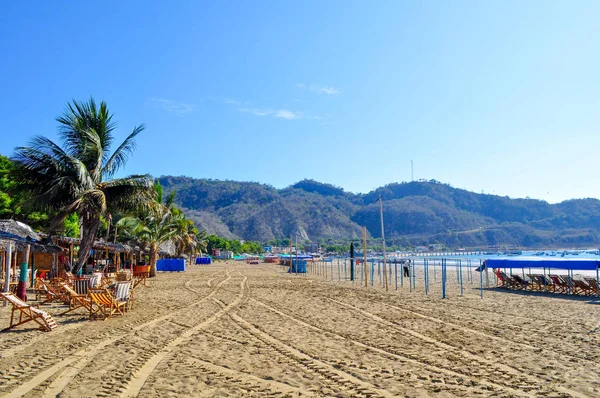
<point x="130" y="194"/>
<point x="120" y="156"/>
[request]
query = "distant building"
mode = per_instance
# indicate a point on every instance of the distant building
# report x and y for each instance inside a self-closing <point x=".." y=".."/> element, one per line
<point x="312" y="247"/>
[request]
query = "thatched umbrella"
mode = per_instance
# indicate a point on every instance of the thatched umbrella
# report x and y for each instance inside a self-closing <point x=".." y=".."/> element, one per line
<point x="24" y="238"/>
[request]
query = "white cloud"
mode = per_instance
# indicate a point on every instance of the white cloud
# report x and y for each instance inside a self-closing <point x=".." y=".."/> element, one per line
<point x="277" y="113"/>
<point x="289" y="115"/>
<point x="257" y="111"/>
<point x="170" y="105"/>
<point x="317" y="88"/>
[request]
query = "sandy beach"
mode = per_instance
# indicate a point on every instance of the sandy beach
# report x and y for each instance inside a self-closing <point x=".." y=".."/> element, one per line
<point x="235" y="330"/>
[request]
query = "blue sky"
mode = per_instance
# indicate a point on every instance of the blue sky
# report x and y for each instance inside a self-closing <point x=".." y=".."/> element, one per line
<point x="494" y="96"/>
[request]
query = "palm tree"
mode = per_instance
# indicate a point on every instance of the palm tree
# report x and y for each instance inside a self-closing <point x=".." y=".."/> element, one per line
<point x="186" y="239"/>
<point x="153" y="227"/>
<point x="76" y="178"/>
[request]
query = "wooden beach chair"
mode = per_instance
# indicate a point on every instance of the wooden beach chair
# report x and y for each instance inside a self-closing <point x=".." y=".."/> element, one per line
<point x="76" y="300"/>
<point x="124" y="293"/>
<point x="502" y="279"/>
<point x="12" y="287"/>
<point x="139" y="278"/>
<point x="524" y="284"/>
<point x="594" y="288"/>
<point x="560" y="284"/>
<point x="69" y="277"/>
<point x="28" y="313"/>
<point x="95" y="281"/>
<point x="123" y="276"/>
<point x="47" y="292"/>
<point x="537" y="282"/>
<point x="81" y="286"/>
<point x="104" y="304"/>
<point x="508" y="282"/>
<point x="580" y="286"/>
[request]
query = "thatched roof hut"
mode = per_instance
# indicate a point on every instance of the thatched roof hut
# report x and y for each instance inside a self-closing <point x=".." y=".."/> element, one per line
<point x="21" y="234"/>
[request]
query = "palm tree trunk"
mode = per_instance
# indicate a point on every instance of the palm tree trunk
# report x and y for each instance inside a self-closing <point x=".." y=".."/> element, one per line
<point x="22" y="286"/>
<point x="89" y="226"/>
<point x="153" y="258"/>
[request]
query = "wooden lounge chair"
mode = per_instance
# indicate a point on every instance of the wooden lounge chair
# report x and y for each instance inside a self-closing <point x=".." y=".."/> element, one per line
<point x="561" y="285"/>
<point x="28" y="313"/>
<point x="594" y="288"/>
<point x="12" y="287"/>
<point x="123" y="276"/>
<point x="104" y="304"/>
<point x="76" y="300"/>
<point x="502" y="279"/>
<point x="580" y="286"/>
<point x="524" y="284"/>
<point x="95" y="281"/>
<point x="508" y="282"/>
<point x="139" y="277"/>
<point x="124" y="293"/>
<point x="69" y="277"/>
<point x="47" y="292"/>
<point x="81" y="286"/>
<point x="540" y="282"/>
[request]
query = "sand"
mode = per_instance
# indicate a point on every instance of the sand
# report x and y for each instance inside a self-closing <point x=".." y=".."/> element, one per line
<point x="235" y="330"/>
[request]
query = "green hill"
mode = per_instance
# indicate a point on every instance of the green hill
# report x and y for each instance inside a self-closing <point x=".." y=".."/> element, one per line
<point x="415" y="213"/>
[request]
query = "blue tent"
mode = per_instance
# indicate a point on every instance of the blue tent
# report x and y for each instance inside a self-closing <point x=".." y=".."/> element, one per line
<point x="566" y="264"/>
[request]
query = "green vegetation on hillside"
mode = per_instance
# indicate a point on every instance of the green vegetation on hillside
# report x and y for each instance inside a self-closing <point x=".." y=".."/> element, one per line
<point x="415" y="213"/>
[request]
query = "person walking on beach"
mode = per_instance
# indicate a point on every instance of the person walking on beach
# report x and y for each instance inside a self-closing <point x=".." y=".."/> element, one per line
<point x="406" y="268"/>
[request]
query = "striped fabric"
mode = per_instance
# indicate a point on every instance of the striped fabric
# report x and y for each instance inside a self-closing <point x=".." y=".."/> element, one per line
<point x="122" y="291"/>
<point x="95" y="281"/>
<point x="81" y="286"/>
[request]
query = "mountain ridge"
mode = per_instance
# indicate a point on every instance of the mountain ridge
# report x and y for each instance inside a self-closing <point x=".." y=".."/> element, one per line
<point x="415" y="213"/>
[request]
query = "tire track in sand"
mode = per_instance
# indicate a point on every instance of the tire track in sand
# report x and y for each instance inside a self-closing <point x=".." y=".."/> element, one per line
<point x="484" y="334"/>
<point x="397" y="356"/>
<point x="137" y="382"/>
<point x="14" y="349"/>
<point x="449" y="348"/>
<point x="328" y="372"/>
<point x="246" y="380"/>
<point x="84" y="356"/>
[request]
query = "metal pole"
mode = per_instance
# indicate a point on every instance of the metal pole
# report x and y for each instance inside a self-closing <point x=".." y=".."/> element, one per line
<point x="402" y="274"/>
<point x="481" y="280"/>
<point x="443" y="278"/>
<point x="365" y="256"/>
<point x="396" y="272"/>
<point x="345" y="270"/>
<point x="460" y="277"/>
<point x="383" y="239"/>
<point x="352" y="261"/>
<point x="413" y="274"/>
<point x="426" y="276"/>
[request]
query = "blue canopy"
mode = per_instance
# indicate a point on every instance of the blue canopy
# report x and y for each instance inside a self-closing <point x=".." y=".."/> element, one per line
<point x="300" y="257"/>
<point x="567" y="264"/>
